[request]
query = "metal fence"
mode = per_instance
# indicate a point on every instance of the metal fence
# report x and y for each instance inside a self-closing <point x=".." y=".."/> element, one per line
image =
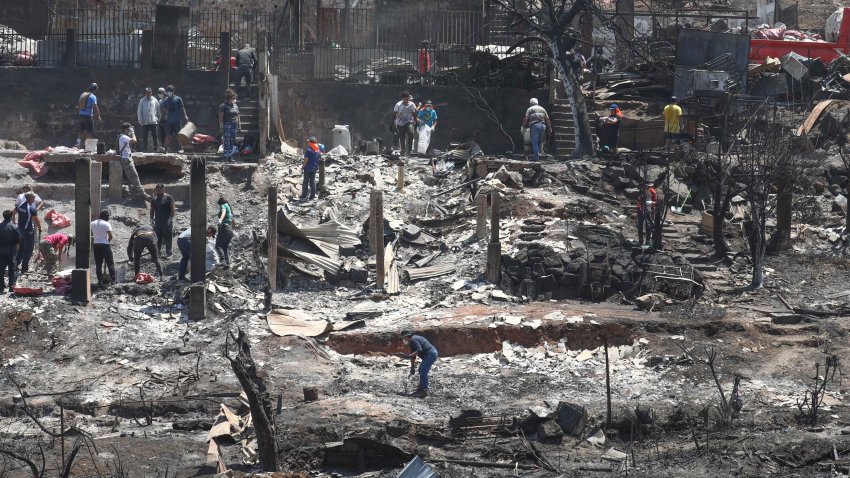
<point x="446" y="65"/>
<point x="394" y="28"/>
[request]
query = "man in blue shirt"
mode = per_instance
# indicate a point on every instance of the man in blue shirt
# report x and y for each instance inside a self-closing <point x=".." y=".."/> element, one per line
<point x="420" y="347"/>
<point x="28" y="223"/>
<point x="88" y="109"/>
<point x="312" y="156"/>
<point x="173" y="110"/>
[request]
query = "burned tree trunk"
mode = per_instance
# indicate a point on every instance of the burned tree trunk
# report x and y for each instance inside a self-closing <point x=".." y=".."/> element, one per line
<point x="258" y="399"/>
<point x="784" y="208"/>
<point x="572" y="87"/>
<point x="721" y="207"/>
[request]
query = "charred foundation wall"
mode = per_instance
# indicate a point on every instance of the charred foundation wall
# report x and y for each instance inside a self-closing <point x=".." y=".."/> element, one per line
<point x="312" y="109"/>
<point x="40" y="104"/>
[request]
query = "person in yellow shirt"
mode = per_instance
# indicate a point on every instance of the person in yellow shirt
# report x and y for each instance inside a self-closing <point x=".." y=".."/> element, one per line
<point x="672" y="121"/>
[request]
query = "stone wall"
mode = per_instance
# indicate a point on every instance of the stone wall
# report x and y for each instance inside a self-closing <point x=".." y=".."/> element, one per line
<point x="314" y="108"/>
<point x="41" y="103"/>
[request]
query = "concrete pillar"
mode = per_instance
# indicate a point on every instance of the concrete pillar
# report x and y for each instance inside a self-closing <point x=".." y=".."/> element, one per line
<point x="70" y="48"/>
<point x="224" y="51"/>
<point x="198" y="256"/>
<point x="400" y="180"/>
<point x="481" y="217"/>
<point x="81" y="275"/>
<point x="146" y="55"/>
<point x="116" y="178"/>
<point x="321" y="185"/>
<point x="272" y="239"/>
<point x="494" y="248"/>
<point x="376" y="208"/>
<point x="96" y="179"/>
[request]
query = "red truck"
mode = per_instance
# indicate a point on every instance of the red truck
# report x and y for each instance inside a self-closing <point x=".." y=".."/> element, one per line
<point x="761" y="49"/>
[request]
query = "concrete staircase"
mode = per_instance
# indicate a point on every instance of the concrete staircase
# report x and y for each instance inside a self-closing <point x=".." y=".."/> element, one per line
<point x="249" y="113"/>
<point x="563" y="128"/>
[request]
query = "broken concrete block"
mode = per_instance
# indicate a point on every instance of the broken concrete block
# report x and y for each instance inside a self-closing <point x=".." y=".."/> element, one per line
<point x="359" y="276"/>
<point x="511" y="179"/>
<point x="650" y="302"/>
<point x="549" y="431"/>
<point x="410" y="232"/>
<point x="347" y="251"/>
<point x="571" y="418"/>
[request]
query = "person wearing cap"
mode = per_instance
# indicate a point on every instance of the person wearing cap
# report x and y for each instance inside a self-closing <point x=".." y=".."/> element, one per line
<point x="22" y="199"/>
<point x="420" y="347"/>
<point x="646" y="211"/>
<point x="172" y="111"/>
<point x="148" y="115"/>
<point x="126" y="139"/>
<point x="160" y="128"/>
<point x="427" y="119"/>
<point x="246" y="59"/>
<point x="538" y="121"/>
<point x="143" y="238"/>
<point x="312" y="156"/>
<point x="672" y="121"/>
<point x="101" y="232"/>
<point x="404" y="120"/>
<point x="50" y="249"/>
<point x="611" y="126"/>
<point x="88" y="110"/>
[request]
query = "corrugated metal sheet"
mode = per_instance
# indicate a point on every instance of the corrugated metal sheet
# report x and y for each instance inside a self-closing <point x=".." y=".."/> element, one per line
<point x="418" y="469"/>
<point x="431" y="271"/>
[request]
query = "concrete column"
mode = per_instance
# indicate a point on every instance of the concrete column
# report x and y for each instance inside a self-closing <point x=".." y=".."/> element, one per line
<point x="116" y="178"/>
<point x="272" y="239"/>
<point x="81" y="275"/>
<point x="147" y="50"/>
<point x="224" y="51"/>
<point x="70" y="48"/>
<point x="321" y="185"/>
<point x="376" y="207"/>
<point x="481" y="217"/>
<point x="198" y="256"/>
<point x="96" y="179"/>
<point x="494" y="248"/>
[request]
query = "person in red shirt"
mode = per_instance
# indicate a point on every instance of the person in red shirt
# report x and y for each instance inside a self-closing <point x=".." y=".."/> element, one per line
<point x="51" y="247"/>
<point x="646" y="212"/>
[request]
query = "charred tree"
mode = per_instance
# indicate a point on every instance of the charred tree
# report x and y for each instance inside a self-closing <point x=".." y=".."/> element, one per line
<point x="258" y="399"/>
<point x="548" y="22"/>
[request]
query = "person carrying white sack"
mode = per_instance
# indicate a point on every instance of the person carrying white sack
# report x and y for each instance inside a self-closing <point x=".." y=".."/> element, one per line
<point x="427" y="124"/>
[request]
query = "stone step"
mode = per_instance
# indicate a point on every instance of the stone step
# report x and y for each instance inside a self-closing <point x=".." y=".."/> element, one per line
<point x="705" y="267"/>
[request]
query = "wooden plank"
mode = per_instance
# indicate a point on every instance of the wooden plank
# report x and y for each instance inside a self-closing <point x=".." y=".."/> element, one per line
<point x="816" y="113"/>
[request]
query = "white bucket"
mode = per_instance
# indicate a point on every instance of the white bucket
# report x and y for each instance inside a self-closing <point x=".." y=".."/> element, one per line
<point x="91" y="145"/>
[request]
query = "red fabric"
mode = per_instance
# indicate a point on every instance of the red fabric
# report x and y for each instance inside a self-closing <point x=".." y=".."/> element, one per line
<point x="233" y="62"/>
<point x="313" y="146"/>
<point x="35" y="161"/>
<point x="424" y="61"/>
<point x="203" y="138"/>
<point x="59" y="221"/>
<point x="28" y="290"/>
<point x="24" y="58"/>
<point x="144" y="278"/>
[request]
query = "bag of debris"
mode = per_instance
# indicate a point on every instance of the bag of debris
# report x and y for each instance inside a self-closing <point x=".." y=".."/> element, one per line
<point x="57" y="220"/>
<point x="424" y="139"/>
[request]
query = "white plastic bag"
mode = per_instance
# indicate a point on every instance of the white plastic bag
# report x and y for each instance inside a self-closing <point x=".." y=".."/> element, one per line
<point x="424" y="139"/>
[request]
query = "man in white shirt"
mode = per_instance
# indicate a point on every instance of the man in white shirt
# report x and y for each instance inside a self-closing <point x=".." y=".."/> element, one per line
<point x="101" y="232"/>
<point x="404" y="114"/>
<point x="148" y="115"/>
<point x="125" y="151"/>
<point x="22" y="199"/>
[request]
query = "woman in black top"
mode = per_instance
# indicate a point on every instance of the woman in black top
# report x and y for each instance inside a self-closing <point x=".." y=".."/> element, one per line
<point x="228" y="122"/>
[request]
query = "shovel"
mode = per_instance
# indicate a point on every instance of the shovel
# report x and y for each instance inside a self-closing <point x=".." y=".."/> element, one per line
<point x="678" y="210"/>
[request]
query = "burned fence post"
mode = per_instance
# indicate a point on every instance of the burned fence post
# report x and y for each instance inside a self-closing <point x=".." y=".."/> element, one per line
<point x="400" y="180"/>
<point x="322" y="180"/>
<point x="116" y="178"/>
<point x="481" y="217"/>
<point x="272" y="239"/>
<point x="81" y="275"/>
<point x="494" y="248"/>
<point x="376" y="234"/>
<point x="198" y="254"/>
